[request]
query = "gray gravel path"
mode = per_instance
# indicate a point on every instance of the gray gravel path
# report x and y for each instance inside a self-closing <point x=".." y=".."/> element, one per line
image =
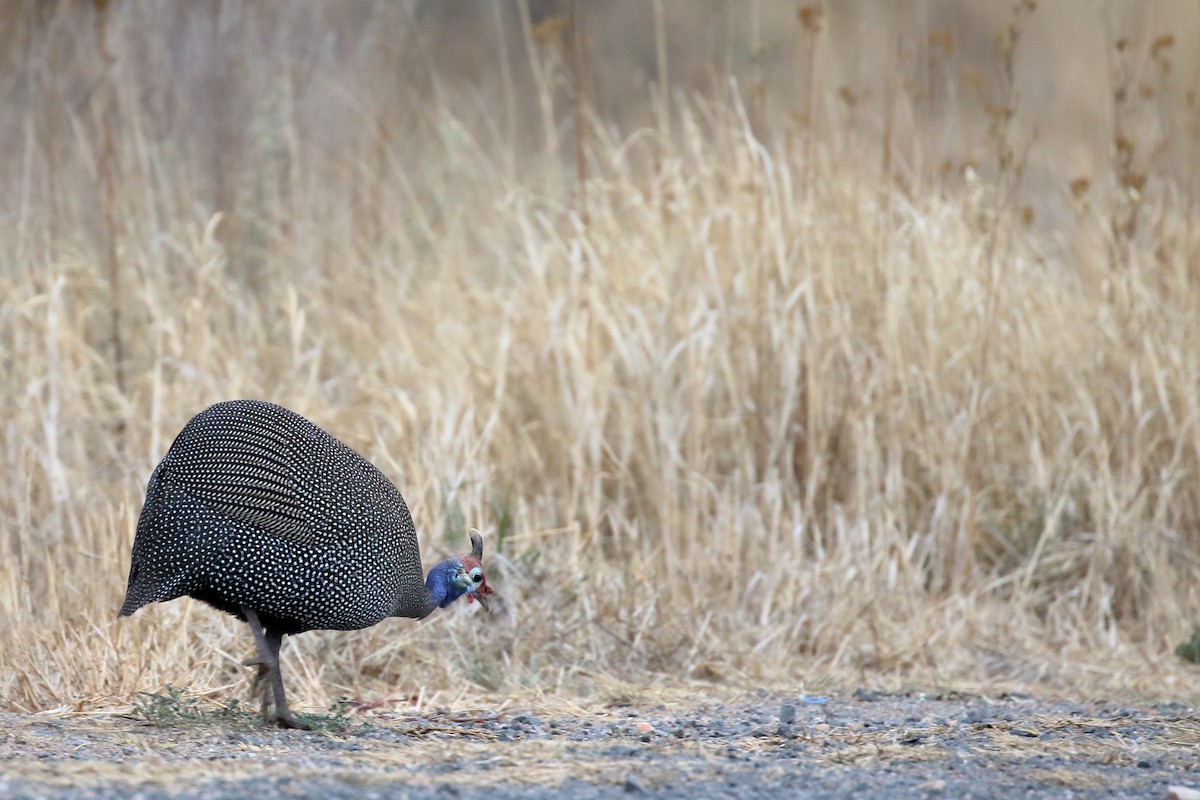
<point x="764" y="745"/>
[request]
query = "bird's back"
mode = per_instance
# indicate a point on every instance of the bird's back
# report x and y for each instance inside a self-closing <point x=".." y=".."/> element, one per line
<point x="255" y="506"/>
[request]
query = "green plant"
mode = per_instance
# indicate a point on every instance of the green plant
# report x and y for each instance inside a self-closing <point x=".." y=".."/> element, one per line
<point x="173" y="706"/>
<point x="336" y="721"/>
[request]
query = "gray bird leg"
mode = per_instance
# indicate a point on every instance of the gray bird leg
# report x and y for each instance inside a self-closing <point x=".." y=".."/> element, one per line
<point x="256" y="688"/>
<point x="269" y="642"/>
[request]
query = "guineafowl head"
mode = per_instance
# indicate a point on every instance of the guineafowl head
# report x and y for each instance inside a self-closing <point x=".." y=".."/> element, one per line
<point x="458" y="575"/>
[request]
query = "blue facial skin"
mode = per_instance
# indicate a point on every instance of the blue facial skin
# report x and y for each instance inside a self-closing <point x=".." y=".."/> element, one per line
<point x="448" y="581"/>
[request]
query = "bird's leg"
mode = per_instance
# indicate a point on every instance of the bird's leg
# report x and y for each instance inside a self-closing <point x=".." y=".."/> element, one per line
<point x="283" y="715"/>
<point x="267" y="662"/>
<point x="258" y="688"/>
<point x="263" y="663"/>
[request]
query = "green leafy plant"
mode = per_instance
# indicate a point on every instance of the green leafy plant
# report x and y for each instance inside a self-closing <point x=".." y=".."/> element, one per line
<point x="1190" y="650"/>
<point x="337" y="720"/>
<point x="172" y="706"/>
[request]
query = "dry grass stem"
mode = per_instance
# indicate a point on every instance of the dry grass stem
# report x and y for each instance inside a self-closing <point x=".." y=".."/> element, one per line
<point x="733" y="403"/>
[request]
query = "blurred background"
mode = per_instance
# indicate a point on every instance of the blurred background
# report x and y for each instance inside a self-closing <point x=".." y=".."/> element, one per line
<point x="928" y="86"/>
<point x="767" y="341"/>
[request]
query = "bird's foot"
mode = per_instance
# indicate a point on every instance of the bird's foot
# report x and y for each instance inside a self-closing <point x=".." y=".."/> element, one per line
<point x="287" y="719"/>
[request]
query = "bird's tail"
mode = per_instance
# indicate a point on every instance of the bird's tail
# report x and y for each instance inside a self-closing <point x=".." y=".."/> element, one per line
<point x="130" y="605"/>
<point x="135" y="594"/>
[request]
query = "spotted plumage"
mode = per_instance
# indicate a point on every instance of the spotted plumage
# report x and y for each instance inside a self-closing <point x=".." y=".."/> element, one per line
<point x="262" y="514"/>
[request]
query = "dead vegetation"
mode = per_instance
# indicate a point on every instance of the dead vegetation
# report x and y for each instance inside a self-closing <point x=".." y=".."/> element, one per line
<point x="782" y="373"/>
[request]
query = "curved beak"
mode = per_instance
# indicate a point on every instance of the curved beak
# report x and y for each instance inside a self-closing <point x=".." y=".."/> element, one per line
<point x="483" y="601"/>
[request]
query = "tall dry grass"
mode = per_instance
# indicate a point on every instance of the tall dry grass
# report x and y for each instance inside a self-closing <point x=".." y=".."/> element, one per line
<point x="829" y="381"/>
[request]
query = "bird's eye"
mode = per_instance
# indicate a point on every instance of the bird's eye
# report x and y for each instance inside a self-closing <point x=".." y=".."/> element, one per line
<point x="477" y="575"/>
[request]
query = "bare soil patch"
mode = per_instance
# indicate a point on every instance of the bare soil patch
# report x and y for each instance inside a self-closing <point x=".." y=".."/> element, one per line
<point x="760" y="744"/>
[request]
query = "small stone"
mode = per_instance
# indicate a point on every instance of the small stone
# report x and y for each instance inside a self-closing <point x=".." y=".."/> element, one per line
<point x="645" y="727"/>
<point x="633" y="785"/>
<point x="787" y="713"/>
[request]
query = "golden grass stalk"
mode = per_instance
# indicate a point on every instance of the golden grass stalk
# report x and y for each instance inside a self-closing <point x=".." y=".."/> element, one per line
<point x="764" y="417"/>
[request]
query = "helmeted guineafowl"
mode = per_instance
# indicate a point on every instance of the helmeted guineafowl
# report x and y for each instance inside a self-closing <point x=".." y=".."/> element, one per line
<point x="262" y="514"/>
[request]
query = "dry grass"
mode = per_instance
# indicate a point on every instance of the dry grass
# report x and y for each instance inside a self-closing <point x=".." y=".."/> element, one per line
<point x="833" y="380"/>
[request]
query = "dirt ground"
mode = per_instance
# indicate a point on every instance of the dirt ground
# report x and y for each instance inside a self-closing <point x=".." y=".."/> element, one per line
<point x="756" y="745"/>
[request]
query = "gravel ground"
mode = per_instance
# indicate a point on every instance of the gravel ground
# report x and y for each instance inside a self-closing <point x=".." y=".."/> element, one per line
<point x="761" y="745"/>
